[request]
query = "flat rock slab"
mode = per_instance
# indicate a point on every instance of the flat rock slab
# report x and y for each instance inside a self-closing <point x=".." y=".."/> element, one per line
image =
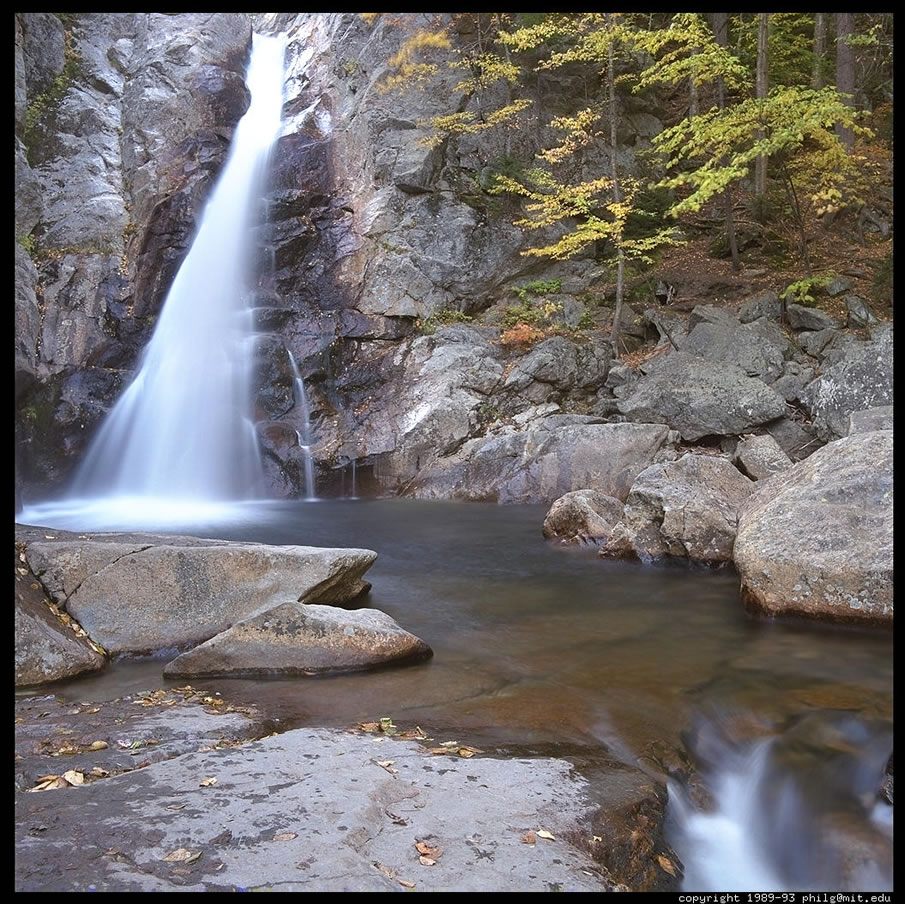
<point x="296" y="639"/>
<point x="140" y="592"/>
<point x="53" y="737"/>
<point x="314" y="810"/>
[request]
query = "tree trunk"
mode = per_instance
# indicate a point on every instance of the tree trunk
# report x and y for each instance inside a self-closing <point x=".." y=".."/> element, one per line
<point x="692" y="93"/>
<point x="617" y="194"/>
<point x="760" y="165"/>
<point x="720" y="24"/>
<point x="819" y="50"/>
<point x="845" y="71"/>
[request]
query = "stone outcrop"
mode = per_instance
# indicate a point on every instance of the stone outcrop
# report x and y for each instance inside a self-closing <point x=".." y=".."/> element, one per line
<point x="817" y="539"/>
<point x="294" y="639"/>
<point x="139" y="592"/>
<point x="760" y="457"/>
<point x="582" y="516"/>
<point x="686" y="508"/>
<point x="863" y="378"/>
<point x="699" y="397"/>
<point x="47" y="649"/>
<point x="561" y="453"/>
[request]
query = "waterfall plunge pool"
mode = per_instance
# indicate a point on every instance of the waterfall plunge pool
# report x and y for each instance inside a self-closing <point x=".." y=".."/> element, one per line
<point x="538" y="644"/>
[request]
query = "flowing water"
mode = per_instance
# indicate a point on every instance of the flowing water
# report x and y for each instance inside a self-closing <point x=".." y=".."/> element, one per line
<point x="181" y="431"/>
<point x="789" y="723"/>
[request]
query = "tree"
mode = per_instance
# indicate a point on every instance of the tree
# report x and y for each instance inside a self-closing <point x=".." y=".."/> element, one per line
<point x="845" y="72"/>
<point x="760" y="165"/>
<point x="819" y="50"/>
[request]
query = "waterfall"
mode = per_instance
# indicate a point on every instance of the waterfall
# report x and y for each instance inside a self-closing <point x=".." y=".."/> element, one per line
<point x="303" y="432"/>
<point x="181" y="433"/>
<point x="794" y="812"/>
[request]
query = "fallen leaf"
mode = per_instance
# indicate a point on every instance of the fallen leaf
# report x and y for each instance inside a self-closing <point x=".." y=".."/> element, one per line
<point x="207" y="782"/>
<point x="386" y="870"/>
<point x="175" y="806"/>
<point x="468" y="751"/>
<point x="397" y="820"/>
<point x="369" y="726"/>
<point x="96" y="709"/>
<point x="450" y="744"/>
<point x="182" y="855"/>
<point x="406" y="883"/>
<point x="543" y="833"/>
<point x="438" y="750"/>
<point x="49" y="537"/>
<point x="35" y="586"/>
<point x="426" y="861"/>
<point x="596" y="838"/>
<point x="388" y="765"/>
<point x="98" y="772"/>
<point x="97" y="745"/>
<point x="74" y="777"/>
<point x="429" y="850"/>
<point x="666" y="864"/>
<point x="528" y="838"/>
<point x="284" y="836"/>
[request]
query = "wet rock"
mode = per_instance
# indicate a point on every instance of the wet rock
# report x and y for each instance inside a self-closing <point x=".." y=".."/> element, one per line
<point x="861" y="379"/>
<point x="544" y="462"/>
<point x="296" y="639"/>
<point x="686" y="508"/>
<point x="138" y="592"/>
<point x="582" y="516"/>
<point x="760" y="457"/>
<point x="698" y="397"/>
<point x="27" y="322"/>
<point x="871" y="419"/>
<point x="46" y="648"/>
<point x="816" y="540"/>
<point x="805" y="318"/>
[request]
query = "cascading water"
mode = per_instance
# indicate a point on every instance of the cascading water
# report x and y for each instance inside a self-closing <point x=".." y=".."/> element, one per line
<point x="180" y="437"/>
<point x="797" y="812"/>
<point x="303" y="431"/>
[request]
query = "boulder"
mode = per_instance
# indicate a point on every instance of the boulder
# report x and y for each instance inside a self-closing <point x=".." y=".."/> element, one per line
<point x="871" y="419"/>
<point x="762" y="304"/>
<point x="805" y="318"/>
<point x="863" y="378"/>
<point x="698" y="397"/>
<point x="295" y="639"/>
<point x="816" y="540"/>
<point x="796" y="439"/>
<point x="46" y="648"/>
<point x="560" y="454"/>
<point x="759" y="348"/>
<point x="582" y="516"/>
<point x="686" y="508"/>
<point x="859" y="313"/>
<point x="760" y="457"/>
<point x="139" y="592"/>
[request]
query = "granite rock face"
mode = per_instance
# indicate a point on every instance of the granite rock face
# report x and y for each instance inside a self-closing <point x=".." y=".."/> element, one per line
<point x="817" y="539"/>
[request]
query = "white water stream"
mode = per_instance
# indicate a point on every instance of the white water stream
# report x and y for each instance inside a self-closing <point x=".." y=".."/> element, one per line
<point x="181" y="435"/>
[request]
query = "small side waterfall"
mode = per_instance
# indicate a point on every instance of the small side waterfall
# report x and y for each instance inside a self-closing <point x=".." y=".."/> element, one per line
<point x="794" y="812"/>
<point x="182" y="433"/>
<point x="303" y="431"/>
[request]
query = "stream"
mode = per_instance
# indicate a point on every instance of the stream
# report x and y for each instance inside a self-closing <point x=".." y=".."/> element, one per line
<point x="789" y="723"/>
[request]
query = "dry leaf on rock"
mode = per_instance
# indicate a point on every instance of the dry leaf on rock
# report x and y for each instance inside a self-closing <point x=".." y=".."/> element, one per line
<point x="425" y="847"/>
<point x="97" y="745"/>
<point x="74" y="777"/>
<point x="406" y="883"/>
<point x="182" y="855"/>
<point x="386" y="870"/>
<point x="666" y="864"/>
<point x="284" y="836"/>
<point x="543" y="833"/>
<point x="528" y="838"/>
<point x="175" y="806"/>
<point x="207" y="782"/>
<point x="426" y="861"/>
<point x="388" y="765"/>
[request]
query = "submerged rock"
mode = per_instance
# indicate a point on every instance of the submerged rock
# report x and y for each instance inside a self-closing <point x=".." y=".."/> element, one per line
<point x="817" y="539"/>
<point x="686" y="508"/>
<point x="297" y="639"/>
<point x="139" y="592"/>
<point x="582" y="516"/>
